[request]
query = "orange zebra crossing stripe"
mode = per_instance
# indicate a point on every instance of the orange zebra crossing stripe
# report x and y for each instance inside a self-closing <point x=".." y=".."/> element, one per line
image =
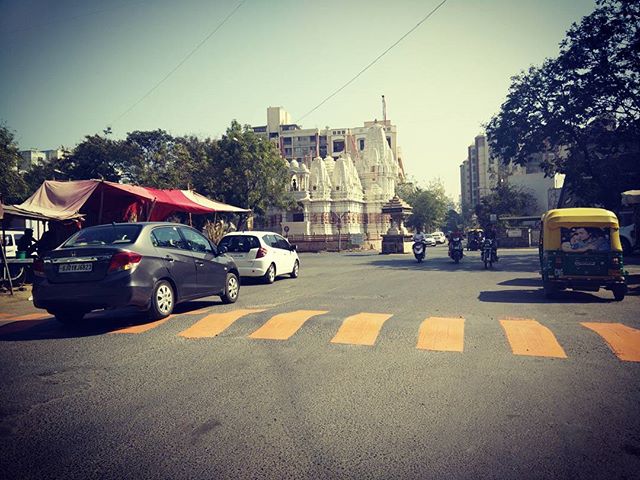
<point x="529" y="337"/>
<point x="624" y="341"/>
<point x="216" y="323"/>
<point x="283" y="326"/>
<point x="145" y="327"/>
<point x="441" y="334"/>
<point x="361" y="329"/>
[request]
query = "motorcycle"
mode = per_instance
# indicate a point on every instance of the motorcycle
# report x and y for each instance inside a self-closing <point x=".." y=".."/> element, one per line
<point x="455" y="249"/>
<point x="419" y="251"/>
<point x="489" y="254"/>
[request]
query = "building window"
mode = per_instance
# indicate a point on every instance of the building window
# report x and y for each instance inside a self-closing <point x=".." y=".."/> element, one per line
<point x="286" y="140"/>
<point x="273" y="135"/>
<point x="298" y="217"/>
<point x="361" y="142"/>
<point x="389" y="140"/>
<point x="323" y="150"/>
<point x="338" y="145"/>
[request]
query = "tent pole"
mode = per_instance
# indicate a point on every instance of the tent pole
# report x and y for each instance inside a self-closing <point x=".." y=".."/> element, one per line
<point x="4" y="258"/>
<point x="153" y="204"/>
<point x="101" y="202"/>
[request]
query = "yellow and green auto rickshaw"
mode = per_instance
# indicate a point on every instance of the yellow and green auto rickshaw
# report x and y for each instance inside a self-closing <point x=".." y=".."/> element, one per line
<point x="580" y="249"/>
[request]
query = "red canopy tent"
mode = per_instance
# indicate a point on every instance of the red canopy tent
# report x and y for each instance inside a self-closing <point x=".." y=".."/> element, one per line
<point x="102" y="202"/>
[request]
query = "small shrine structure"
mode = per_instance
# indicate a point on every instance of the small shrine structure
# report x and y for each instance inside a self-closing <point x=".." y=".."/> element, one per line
<point x="397" y="239"/>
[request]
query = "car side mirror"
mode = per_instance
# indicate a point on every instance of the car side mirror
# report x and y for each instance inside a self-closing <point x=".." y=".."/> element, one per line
<point x="293" y="248"/>
<point x="222" y="250"/>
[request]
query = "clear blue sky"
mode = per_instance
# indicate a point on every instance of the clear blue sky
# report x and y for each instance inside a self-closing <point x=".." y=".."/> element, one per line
<point x="71" y="67"/>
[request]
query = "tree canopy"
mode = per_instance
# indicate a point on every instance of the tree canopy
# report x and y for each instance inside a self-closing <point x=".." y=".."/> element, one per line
<point x="581" y="109"/>
<point x="241" y="168"/>
<point x="505" y="199"/>
<point x="430" y="205"/>
<point x="12" y="186"/>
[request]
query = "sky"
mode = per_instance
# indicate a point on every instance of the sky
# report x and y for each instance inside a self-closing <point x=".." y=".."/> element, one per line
<point x="70" y="68"/>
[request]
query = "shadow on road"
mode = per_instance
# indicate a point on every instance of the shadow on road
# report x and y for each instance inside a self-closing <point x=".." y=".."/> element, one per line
<point x="522" y="282"/>
<point x="537" y="296"/>
<point x="470" y="263"/>
<point x="96" y="323"/>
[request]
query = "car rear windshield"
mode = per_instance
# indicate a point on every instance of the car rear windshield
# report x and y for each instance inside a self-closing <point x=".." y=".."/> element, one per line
<point x="104" y="235"/>
<point x="239" y="243"/>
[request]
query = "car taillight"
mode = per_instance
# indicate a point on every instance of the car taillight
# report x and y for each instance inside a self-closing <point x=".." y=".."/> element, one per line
<point x="615" y="262"/>
<point x="38" y="267"/>
<point x="261" y="252"/>
<point x="124" y="261"/>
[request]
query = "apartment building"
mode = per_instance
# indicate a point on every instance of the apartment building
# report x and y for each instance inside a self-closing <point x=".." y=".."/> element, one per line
<point x="33" y="156"/>
<point x="305" y="144"/>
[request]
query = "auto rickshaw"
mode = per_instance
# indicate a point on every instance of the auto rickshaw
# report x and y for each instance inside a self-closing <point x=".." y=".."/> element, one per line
<point x="474" y="238"/>
<point x="580" y="249"/>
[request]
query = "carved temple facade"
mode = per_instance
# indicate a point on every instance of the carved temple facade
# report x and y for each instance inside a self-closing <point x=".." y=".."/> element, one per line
<point x="342" y="196"/>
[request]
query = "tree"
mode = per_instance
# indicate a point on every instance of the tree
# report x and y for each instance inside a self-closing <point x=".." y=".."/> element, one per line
<point x="452" y="221"/>
<point x="505" y="200"/>
<point x="96" y="157"/>
<point x="581" y="110"/>
<point x="13" y="188"/>
<point x="156" y="159"/>
<point x="429" y="204"/>
<point x="249" y="171"/>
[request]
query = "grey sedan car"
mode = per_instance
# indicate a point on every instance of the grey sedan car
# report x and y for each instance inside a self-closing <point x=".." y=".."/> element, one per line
<point x="150" y="266"/>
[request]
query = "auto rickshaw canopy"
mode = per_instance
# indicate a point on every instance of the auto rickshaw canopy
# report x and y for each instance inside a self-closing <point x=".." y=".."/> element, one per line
<point x="554" y="220"/>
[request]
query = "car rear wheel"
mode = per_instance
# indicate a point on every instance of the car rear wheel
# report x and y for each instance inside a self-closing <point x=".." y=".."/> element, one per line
<point x="69" y="317"/>
<point x="162" y="300"/>
<point x="231" y="289"/>
<point x="270" y="275"/>
<point x="296" y="270"/>
<point x="619" y="293"/>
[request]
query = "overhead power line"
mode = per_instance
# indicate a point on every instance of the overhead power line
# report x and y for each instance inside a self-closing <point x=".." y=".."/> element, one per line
<point x="187" y="57"/>
<point x="424" y="19"/>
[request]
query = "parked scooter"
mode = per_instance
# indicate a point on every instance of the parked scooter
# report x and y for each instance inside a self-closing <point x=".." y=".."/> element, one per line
<point x="456" y="249"/>
<point x="489" y="254"/>
<point x="420" y="251"/>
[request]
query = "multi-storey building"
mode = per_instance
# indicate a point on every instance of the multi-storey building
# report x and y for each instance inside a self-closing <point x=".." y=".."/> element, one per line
<point x="33" y="156"/>
<point x="480" y="174"/>
<point x="305" y="144"/>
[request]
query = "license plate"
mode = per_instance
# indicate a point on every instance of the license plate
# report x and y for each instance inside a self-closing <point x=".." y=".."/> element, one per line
<point x="585" y="263"/>
<point x="75" y="267"/>
<point x="237" y="255"/>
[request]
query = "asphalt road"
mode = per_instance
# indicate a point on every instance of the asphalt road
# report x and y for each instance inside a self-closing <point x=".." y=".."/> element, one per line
<point x="505" y="384"/>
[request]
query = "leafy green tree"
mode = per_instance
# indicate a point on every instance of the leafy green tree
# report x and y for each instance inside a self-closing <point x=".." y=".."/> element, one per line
<point x="505" y="199"/>
<point x="156" y="159"/>
<point x="249" y="171"/>
<point x="429" y="204"/>
<point x="581" y="109"/>
<point x="96" y="157"/>
<point x="13" y="188"/>
<point x="453" y="220"/>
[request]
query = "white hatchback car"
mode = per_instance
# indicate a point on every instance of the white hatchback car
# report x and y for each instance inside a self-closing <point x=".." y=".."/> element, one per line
<point x="262" y="254"/>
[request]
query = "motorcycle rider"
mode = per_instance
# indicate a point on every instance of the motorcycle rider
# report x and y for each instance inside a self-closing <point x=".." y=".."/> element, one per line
<point x="492" y="234"/>
<point x="457" y="233"/>
<point x="419" y="236"/>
